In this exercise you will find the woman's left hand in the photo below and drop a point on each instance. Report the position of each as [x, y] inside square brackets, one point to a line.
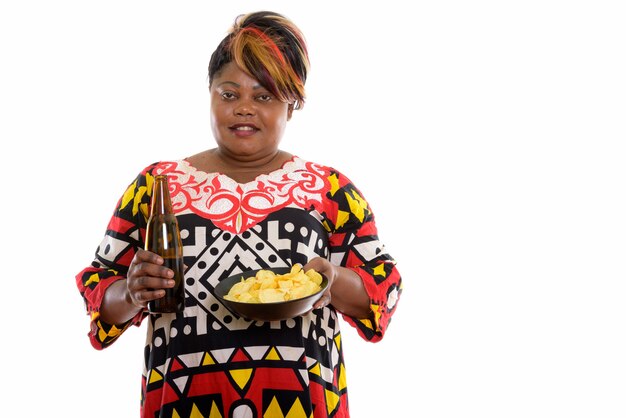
[329, 270]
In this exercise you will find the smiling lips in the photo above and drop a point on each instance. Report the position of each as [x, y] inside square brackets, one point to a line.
[244, 129]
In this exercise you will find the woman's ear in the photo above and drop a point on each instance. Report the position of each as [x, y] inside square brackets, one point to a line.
[289, 111]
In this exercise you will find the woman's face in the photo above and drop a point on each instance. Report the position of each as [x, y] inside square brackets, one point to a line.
[247, 120]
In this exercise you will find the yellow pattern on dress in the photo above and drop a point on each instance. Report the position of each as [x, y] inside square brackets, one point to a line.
[241, 376]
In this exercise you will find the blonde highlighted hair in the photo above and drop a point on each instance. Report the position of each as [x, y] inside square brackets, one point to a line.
[269, 48]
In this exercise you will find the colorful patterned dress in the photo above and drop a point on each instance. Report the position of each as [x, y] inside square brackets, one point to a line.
[208, 362]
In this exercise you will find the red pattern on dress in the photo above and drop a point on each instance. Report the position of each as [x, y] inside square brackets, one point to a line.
[237, 207]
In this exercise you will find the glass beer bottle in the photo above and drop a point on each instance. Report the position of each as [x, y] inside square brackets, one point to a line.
[163, 238]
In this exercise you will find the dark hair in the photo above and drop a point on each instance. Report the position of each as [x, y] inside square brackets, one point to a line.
[270, 48]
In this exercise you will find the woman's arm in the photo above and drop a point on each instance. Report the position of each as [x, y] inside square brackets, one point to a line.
[368, 274]
[146, 280]
[102, 284]
[346, 291]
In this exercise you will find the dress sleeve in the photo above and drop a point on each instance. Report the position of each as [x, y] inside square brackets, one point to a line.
[124, 235]
[355, 244]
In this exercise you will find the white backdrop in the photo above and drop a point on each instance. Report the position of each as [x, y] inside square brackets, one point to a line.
[486, 136]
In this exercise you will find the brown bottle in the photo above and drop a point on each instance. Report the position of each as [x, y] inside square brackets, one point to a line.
[163, 238]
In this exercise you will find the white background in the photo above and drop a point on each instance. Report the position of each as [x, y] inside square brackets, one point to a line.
[486, 135]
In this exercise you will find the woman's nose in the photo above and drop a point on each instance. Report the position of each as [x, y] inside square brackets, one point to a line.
[245, 108]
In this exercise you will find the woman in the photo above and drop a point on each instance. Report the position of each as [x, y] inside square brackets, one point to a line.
[245, 205]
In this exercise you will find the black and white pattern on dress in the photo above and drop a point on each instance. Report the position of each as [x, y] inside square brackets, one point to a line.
[217, 254]
[211, 254]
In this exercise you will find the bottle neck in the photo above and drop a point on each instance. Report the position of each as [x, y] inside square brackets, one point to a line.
[161, 203]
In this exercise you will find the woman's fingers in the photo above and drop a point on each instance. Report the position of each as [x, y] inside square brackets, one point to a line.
[147, 278]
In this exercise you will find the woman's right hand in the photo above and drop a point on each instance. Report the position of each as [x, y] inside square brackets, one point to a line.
[147, 278]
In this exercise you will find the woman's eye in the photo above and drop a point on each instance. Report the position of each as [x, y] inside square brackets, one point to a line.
[264, 97]
[228, 95]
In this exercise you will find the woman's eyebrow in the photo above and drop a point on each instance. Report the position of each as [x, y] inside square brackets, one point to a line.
[255, 87]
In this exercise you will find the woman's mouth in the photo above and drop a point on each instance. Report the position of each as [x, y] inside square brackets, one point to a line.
[244, 129]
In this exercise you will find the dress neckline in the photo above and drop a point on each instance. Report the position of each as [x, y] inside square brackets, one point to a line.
[284, 167]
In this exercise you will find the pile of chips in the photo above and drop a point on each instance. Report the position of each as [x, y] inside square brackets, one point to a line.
[267, 286]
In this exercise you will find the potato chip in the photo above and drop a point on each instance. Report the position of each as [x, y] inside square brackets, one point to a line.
[267, 286]
[271, 295]
[314, 276]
